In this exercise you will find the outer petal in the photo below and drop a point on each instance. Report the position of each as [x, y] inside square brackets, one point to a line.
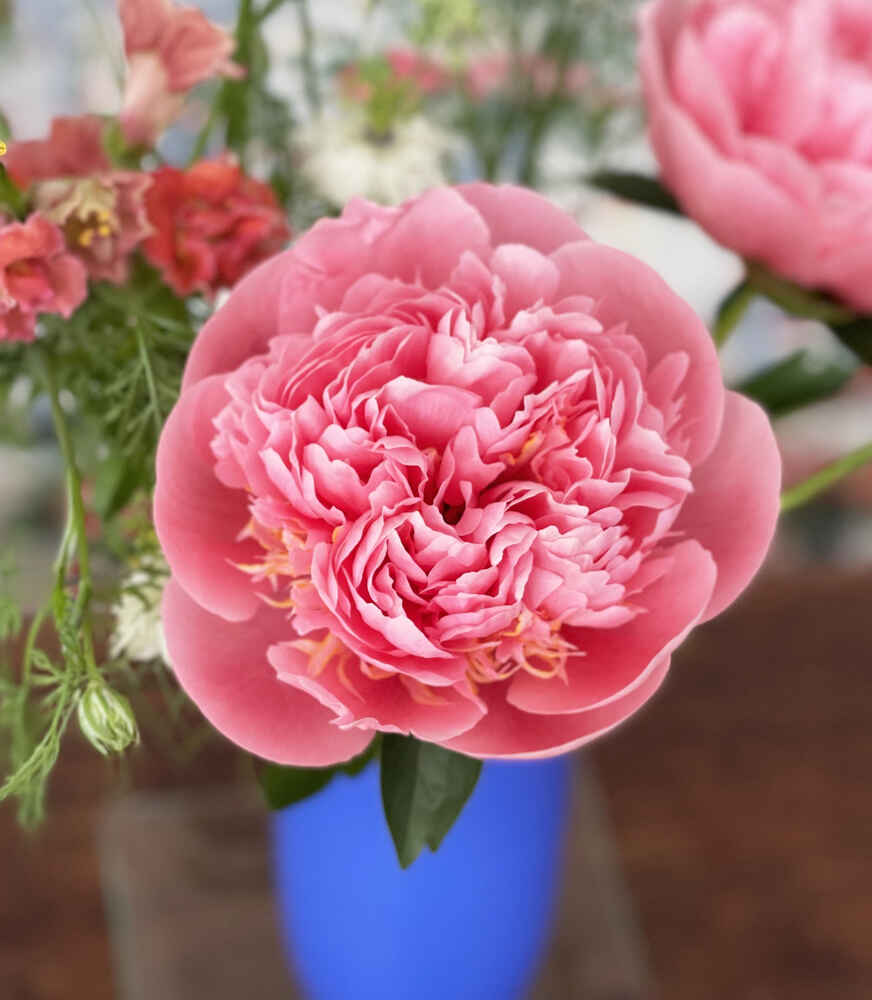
[734, 507]
[198, 518]
[244, 325]
[223, 667]
[508, 732]
[517, 215]
[391, 704]
[628, 291]
[615, 661]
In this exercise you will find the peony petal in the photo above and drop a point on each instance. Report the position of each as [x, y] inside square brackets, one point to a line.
[429, 237]
[614, 661]
[734, 507]
[197, 518]
[223, 667]
[507, 732]
[629, 292]
[391, 703]
[517, 215]
[530, 277]
[244, 325]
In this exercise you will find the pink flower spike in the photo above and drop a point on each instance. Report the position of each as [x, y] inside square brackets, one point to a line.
[170, 49]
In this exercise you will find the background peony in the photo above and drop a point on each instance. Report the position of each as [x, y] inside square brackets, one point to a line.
[37, 275]
[450, 469]
[761, 117]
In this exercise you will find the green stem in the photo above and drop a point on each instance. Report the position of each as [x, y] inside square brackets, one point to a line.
[205, 132]
[270, 8]
[30, 642]
[75, 540]
[150, 380]
[310, 75]
[822, 480]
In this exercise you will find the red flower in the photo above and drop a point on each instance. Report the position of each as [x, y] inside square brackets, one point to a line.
[211, 225]
[37, 275]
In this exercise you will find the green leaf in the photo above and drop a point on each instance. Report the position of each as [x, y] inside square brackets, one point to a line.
[424, 788]
[853, 330]
[731, 310]
[856, 336]
[284, 786]
[795, 382]
[116, 481]
[638, 188]
[11, 196]
[795, 299]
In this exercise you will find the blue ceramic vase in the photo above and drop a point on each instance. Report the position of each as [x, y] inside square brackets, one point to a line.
[470, 922]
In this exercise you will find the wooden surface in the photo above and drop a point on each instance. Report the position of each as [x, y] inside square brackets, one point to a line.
[740, 799]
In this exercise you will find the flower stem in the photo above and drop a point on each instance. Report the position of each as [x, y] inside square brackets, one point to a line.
[74, 543]
[310, 75]
[822, 480]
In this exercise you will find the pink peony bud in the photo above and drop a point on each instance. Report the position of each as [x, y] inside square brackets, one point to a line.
[760, 114]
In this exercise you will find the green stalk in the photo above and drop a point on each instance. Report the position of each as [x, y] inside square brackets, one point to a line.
[822, 480]
[75, 540]
[310, 75]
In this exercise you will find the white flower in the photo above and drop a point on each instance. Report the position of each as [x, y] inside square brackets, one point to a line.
[138, 632]
[343, 160]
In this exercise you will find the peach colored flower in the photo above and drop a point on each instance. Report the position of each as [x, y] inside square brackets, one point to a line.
[211, 224]
[100, 211]
[37, 275]
[450, 469]
[74, 148]
[761, 117]
[170, 49]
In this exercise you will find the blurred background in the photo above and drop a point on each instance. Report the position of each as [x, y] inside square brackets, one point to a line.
[731, 817]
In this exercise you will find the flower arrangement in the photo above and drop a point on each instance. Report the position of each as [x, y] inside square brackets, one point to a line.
[443, 480]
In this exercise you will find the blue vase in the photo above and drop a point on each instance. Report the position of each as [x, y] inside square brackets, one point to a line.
[470, 922]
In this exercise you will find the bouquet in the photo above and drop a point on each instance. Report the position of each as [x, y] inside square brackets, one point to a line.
[370, 454]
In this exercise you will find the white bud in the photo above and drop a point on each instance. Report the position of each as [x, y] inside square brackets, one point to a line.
[106, 719]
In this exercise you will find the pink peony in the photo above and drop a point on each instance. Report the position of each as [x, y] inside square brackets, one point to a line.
[100, 211]
[37, 275]
[761, 117]
[451, 469]
[170, 49]
[211, 224]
